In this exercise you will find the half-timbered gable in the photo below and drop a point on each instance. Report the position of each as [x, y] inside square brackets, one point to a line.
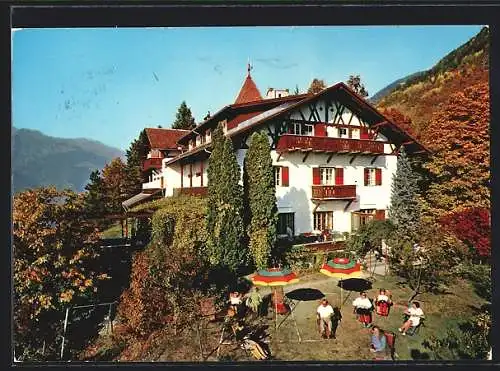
[333, 153]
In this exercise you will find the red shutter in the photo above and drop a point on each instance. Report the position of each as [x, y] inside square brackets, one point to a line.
[320, 130]
[316, 177]
[366, 176]
[378, 176]
[339, 176]
[284, 175]
[380, 215]
[363, 134]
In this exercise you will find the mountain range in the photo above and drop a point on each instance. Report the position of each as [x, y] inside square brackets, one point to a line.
[41, 160]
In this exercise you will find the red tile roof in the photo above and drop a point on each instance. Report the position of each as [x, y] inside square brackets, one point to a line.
[164, 138]
[248, 92]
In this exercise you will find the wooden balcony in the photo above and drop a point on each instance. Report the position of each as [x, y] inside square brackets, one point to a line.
[289, 143]
[191, 191]
[334, 192]
[152, 163]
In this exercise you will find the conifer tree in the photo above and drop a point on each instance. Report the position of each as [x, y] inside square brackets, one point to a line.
[404, 211]
[136, 154]
[225, 206]
[184, 118]
[261, 189]
[94, 198]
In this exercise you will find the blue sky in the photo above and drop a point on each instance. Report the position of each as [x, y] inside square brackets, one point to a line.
[108, 84]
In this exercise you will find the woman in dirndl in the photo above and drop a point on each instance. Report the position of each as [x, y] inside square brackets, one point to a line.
[383, 303]
[363, 308]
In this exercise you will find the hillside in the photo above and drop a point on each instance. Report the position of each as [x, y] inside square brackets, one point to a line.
[423, 94]
[40, 160]
[375, 98]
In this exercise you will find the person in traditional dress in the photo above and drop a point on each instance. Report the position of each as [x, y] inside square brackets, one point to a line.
[363, 308]
[383, 303]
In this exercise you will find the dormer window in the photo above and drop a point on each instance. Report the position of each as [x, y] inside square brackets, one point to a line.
[198, 140]
[208, 135]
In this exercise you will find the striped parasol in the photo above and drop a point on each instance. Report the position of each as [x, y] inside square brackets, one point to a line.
[277, 278]
[274, 277]
[341, 268]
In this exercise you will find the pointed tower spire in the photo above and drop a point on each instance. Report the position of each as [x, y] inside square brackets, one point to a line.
[249, 91]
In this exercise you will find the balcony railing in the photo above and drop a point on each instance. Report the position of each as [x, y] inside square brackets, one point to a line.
[152, 163]
[333, 192]
[192, 191]
[289, 142]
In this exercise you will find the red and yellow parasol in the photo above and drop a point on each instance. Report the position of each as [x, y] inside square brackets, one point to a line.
[341, 268]
[276, 278]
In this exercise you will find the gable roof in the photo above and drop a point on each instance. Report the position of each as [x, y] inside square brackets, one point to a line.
[236, 113]
[248, 92]
[160, 138]
[356, 104]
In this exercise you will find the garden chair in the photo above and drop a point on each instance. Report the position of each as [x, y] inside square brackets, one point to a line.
[416, 329]
[390, 338]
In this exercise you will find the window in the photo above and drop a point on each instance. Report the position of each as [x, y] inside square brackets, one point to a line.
[298, 128]
[307, 130]
[362, 217]
[285, 222]
[373, 177]
[281, 176]
[342, 132]
[323, 220]
[326, 176]
[277, 175]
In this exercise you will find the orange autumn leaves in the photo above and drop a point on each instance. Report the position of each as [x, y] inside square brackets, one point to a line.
[54, 248]
[459, 169]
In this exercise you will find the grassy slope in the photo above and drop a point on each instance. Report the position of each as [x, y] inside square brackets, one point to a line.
[421, 96]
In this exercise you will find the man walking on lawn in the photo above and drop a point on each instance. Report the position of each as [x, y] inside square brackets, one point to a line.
[324, 315]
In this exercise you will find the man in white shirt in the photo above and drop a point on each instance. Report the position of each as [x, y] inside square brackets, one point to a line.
[415, 313]
[324, 314]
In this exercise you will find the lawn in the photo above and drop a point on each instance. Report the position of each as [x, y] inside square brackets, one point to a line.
[300, 341]
[297, 338]
[115, 231]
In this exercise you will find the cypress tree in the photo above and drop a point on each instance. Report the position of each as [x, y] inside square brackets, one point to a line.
[261, 191]
[225, 206]
[404, 211]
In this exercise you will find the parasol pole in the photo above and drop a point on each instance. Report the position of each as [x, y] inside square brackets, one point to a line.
[276, 310]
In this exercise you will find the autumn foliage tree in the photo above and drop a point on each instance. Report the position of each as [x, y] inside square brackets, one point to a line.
[473, 227]
[113, 179]
[403, 121]
[54, 266]
[316, 86]
[354, 82]
[459, 170]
